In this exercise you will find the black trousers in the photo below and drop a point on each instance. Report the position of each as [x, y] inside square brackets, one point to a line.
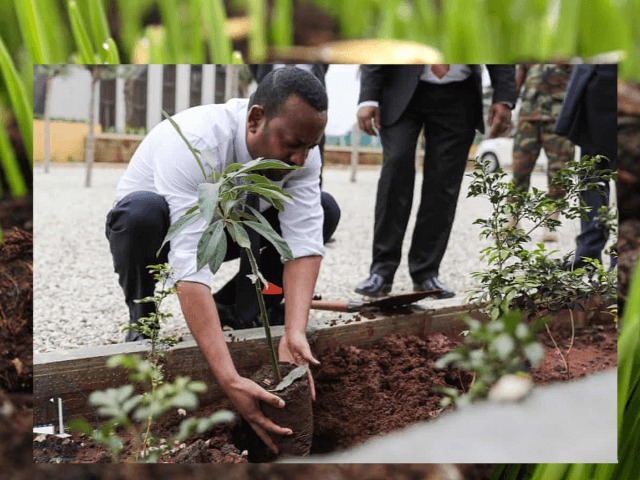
[447, 114]
[598, 111]
[136, 228]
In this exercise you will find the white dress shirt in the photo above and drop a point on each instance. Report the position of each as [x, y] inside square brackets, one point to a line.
[163, 164]
[457, 73]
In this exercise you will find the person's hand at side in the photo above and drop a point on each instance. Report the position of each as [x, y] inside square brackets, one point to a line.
[202, 318]
[294, 348]
[499, 120]
[369, 119]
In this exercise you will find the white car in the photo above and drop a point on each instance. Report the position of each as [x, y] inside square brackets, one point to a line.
[498, 153]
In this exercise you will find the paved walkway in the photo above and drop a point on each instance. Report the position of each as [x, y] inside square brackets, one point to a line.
[77, 300]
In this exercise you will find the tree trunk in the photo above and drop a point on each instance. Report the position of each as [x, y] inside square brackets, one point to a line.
[232, 81]
[128, 101]
[47, 124]
[90, 142]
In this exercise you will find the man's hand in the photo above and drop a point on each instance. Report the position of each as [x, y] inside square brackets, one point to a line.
[294, 348]
[202, 317]
[246, 395]
[499, 119]
[369, 119]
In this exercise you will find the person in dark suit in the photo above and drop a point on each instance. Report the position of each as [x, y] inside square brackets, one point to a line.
[399, 100]
[589, 119]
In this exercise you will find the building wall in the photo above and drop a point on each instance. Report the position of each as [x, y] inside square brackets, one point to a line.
[70, 95]
[67, 140]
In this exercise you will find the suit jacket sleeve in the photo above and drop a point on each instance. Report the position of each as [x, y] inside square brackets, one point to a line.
[371, 82]
[503, 81]
[576, 85]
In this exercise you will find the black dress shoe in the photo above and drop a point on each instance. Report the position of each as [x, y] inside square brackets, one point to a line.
[434, 284]
[134, 335]
[374, 286]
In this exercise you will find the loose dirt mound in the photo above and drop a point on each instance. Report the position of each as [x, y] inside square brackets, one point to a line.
[16, 352]
[16, 311]
[366, 392]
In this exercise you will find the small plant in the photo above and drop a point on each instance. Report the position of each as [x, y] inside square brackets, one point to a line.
[149, 327]
[534, 280]
[223, 204]
[136, 413]
[521, 284]
[491, 350]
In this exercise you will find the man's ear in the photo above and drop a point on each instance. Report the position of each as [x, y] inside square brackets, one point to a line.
[255, 118]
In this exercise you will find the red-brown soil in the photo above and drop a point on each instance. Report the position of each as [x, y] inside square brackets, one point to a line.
[364, 392]
[16, 337]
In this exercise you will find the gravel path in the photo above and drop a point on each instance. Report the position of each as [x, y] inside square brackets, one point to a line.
[77, 299]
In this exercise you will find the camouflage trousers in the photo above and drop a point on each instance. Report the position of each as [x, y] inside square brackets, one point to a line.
[530, 138]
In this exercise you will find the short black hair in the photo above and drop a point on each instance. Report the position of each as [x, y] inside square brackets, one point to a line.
[278, 85]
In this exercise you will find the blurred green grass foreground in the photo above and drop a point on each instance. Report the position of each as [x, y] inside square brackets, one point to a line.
[217, 31]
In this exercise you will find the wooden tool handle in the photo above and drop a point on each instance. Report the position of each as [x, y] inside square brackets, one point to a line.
[336, 305]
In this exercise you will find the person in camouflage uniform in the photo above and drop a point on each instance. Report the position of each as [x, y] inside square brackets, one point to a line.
[543, 90]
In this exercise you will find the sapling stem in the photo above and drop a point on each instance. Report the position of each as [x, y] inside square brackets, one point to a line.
[263, 315]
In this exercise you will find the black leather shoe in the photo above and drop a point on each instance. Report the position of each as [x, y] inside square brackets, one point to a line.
[134, 335]
[374, 286]
[433, 284]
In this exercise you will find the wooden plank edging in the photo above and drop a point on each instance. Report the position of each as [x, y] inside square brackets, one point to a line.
[73, 375]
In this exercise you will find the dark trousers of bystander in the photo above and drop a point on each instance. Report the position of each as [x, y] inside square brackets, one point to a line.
[447, 114]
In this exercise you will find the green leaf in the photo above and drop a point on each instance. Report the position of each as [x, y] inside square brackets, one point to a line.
[270, 234]
[20, 101]
[214, 16]
[185, 399]
[32, 28]
[109, 52]
[10, 167]
[83, 42]
[99, 26]
[262, 164]
[179, 224]
[81, 425]
[110, 402]
[522, 332]
[171, 21]
[534, 352]
[229, 205]
[267, 192]
[220, 417]
[131, 403]
[503, 345]
[239, 234]
[208, 200]
[192, 425]
[197, 386]
[291, 377]
[212, 247]
[130, 362]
